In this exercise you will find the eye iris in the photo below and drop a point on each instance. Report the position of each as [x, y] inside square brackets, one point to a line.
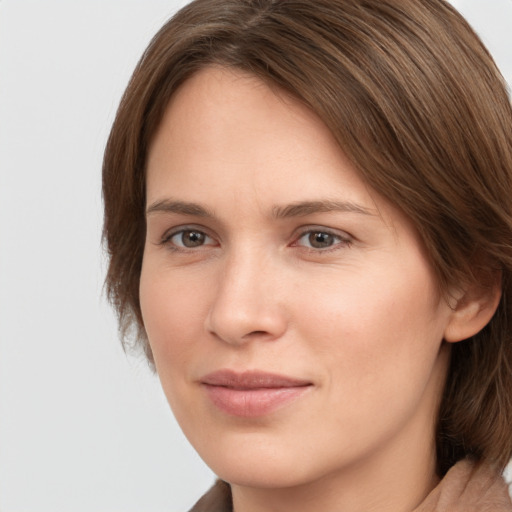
[192, 238]
[320, 240]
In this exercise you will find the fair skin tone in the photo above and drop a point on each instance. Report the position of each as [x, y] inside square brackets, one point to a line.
[266, 251]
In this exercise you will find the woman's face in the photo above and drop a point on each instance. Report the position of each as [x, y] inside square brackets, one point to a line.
[292, 312]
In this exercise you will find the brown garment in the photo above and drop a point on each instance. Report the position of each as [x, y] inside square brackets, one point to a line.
[466, 487]
[217, 499]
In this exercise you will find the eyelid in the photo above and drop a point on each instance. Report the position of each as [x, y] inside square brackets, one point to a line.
[345, 238]
[170, 233]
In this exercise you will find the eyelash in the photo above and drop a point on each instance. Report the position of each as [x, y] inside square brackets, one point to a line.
[340, 240]
[167, 238]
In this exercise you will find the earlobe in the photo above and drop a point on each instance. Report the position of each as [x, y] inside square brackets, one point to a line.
[472, 310]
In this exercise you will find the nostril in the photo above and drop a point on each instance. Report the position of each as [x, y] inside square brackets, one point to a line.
[250, 321]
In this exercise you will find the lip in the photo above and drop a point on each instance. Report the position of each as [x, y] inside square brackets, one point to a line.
[252, 393]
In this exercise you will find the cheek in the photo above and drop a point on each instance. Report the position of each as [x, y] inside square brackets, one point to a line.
[378, 329]
[172, 314]
[172, 311]
[378, 346]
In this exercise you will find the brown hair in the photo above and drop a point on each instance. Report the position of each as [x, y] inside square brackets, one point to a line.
[416, 103]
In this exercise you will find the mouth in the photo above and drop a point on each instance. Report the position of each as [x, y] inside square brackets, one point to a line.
[252, 393]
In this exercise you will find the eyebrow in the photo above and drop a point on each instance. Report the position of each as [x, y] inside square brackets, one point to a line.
[304, 208]
[180, 207]
[298, 209]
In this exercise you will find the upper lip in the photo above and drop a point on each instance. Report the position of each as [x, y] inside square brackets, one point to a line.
[253, 379]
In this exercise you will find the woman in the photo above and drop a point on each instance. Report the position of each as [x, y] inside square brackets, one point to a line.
[309, 223]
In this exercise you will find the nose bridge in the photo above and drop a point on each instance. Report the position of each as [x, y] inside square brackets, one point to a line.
[244, 306]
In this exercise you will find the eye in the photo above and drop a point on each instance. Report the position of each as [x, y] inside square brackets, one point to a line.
[188, 239]
[319, 239]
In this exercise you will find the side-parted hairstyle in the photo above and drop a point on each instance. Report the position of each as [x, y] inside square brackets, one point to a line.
[416, 103]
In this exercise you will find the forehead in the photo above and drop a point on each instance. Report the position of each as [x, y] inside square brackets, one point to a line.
[220, 110]
[232, 131]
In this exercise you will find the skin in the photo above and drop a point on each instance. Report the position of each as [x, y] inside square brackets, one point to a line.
[359, 316]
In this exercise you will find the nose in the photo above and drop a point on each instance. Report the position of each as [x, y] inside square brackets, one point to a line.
[246, 304]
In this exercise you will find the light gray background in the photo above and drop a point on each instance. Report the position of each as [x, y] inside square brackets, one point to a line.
[83, 428]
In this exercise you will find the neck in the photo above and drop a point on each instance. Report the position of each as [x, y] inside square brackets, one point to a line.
[369, 486]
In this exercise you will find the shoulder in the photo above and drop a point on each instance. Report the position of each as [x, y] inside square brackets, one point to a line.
[217, 499]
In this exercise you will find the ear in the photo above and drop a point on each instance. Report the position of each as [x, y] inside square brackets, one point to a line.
[472, 309]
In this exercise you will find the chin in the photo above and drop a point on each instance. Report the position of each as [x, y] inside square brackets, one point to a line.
[262, 474]
[255, 460]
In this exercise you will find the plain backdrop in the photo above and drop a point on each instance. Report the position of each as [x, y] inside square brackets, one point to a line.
[83, 427]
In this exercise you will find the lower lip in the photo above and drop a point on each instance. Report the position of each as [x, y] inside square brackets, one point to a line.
[251, 403]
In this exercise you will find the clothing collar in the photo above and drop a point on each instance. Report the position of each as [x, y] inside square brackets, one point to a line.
[467, 486]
